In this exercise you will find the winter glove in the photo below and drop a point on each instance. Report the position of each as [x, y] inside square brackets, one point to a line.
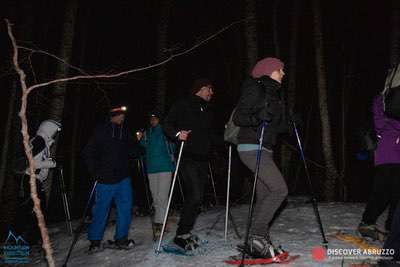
[265, 114]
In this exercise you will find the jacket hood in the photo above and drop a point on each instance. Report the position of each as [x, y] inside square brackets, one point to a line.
[48, 130]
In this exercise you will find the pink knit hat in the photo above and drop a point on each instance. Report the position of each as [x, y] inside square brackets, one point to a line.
[266, 66]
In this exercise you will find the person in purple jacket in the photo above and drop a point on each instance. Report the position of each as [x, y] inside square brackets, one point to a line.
[386, 187]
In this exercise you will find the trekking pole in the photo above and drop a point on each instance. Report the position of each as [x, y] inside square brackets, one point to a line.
[213, 183]
[228, 192]
[313, 198]
[228, 214]
[174, 164]
[250, 216]
[65, 202]
[147, 189]
[81, 226]
[170, 196]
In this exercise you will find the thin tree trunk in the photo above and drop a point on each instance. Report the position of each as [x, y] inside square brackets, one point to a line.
[286, 153]
[7, 131]
[275, 29]
[76, 114]
[251, 35]
[162, 54]
[342, 182]
[331, 169]
[56, 108]
[74, 145]
[395, 34]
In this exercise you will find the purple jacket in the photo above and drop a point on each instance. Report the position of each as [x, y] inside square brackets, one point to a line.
[388, 132]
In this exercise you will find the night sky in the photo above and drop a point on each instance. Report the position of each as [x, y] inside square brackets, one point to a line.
[120, 35]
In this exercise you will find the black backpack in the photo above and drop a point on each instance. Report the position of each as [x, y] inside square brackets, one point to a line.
[392, 94]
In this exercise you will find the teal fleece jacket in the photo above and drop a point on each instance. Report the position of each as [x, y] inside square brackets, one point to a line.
[157, 156]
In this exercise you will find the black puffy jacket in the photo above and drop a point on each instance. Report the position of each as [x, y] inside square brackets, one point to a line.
[108, 152]
[257, 95]
[191, 113]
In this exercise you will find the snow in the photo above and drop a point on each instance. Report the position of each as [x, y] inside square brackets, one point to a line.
[295, 229]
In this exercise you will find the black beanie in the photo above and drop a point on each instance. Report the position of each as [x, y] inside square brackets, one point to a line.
[155, 114]
[198, 84]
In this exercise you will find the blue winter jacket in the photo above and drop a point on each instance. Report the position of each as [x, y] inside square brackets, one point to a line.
[158, 156]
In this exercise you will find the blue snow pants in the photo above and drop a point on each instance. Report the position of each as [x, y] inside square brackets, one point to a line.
[121, 193]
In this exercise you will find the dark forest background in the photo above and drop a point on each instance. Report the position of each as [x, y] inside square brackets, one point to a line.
[339, 48]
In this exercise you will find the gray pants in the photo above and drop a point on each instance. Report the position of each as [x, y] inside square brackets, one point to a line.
[159, 185]
[271, 189]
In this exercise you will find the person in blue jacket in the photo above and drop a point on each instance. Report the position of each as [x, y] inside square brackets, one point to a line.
[107, 156]
[159, 163]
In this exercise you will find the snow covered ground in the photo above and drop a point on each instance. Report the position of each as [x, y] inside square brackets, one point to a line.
[295, 229]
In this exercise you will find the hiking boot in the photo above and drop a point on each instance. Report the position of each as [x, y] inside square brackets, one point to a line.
[261, 247]
[188, 242]
[124, 243]
[95, 246]
[369, 231]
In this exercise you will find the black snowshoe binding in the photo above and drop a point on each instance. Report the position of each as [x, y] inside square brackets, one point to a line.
[121, 244]
[260, 247]
[188, 242]
[95, 246]
[370, 231]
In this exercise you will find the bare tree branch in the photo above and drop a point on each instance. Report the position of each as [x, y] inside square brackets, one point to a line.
[22, 114]
[53, 56]
[123, 73]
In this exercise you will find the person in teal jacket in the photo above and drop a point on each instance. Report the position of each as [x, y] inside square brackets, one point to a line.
[159, 165]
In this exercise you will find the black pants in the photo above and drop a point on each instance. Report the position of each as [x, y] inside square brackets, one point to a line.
[393, 240]
[386, 191]
[194, 174]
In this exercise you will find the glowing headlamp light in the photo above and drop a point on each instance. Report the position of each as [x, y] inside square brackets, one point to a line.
[119, 109]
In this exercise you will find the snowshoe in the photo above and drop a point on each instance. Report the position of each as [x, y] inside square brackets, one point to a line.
[370, 231]
[187, 241]
[283, 258]
[186, 244]
[95, 247]
[357, 241]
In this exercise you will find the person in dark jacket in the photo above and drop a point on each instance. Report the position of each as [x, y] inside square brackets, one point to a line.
[261, 101]
[386, 187]
[107, 155]
[189, 120]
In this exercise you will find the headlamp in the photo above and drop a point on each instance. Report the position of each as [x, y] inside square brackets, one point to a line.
[119, 109]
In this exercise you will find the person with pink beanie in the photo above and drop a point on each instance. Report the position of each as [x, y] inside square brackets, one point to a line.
[260, 102]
